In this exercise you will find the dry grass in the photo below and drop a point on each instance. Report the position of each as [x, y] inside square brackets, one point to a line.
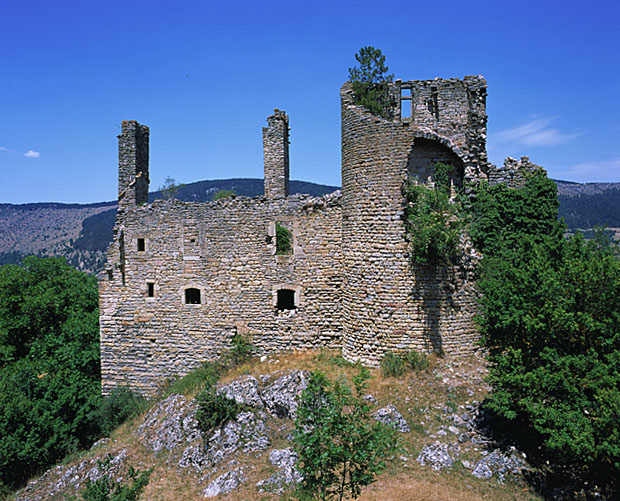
[420, 397]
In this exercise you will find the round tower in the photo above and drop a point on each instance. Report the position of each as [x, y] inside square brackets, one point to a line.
[387, 304]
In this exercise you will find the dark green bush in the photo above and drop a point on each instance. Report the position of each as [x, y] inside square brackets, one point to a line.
[417, 361]
[214, 409]
[121, 405]
[284, 240]
[392, 365]
[550, 320]
[241, 350]
[432, 221]
[49, 365]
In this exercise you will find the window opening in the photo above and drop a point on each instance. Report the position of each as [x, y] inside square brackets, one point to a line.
[433, 103]
[150, 289]
[284, 240]
[192, 296]
[406, 103]
[286, 299]
[141, 246]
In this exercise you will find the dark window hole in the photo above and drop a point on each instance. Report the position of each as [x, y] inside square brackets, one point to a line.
[192, 296]
[141, 246]
[286, 299]
[150, 289]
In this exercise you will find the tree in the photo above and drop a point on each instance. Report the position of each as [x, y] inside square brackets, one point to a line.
[170, 188]
[370, 81]
[49, 366]
[551, 322]
[341, 447]
[224, 194]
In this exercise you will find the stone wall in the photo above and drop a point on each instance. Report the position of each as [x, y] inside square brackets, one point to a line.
[226, 250]
[275, 152]
[133, 165]
[513, 173]
[386, 304]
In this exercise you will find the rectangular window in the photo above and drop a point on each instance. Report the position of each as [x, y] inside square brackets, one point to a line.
[406, 104]
[150, 289]
[141, 245]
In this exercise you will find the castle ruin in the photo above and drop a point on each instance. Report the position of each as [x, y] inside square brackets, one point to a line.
[183, 278]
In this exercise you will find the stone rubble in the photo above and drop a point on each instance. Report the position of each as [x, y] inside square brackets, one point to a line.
[286, 476]
[391, 417]
[225, 483]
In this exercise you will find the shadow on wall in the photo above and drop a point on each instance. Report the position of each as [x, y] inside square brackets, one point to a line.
[433, 290]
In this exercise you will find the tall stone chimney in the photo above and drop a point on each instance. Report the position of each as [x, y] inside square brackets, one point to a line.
[275, 152]
[133, 165]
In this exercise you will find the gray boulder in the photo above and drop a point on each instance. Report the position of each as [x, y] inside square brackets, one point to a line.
[286, 476]
[243, 391]
[436, 456]
[169, 424]
[225, 483]
[281, 397]
[501, 464]
[390, 416]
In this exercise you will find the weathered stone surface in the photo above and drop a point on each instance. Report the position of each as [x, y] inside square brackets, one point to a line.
[169, 424]
[500, 463]
[281, 396]
[248, 432]
[390, 416]
[243, 391]
[436, 456]
[286, 476]
[60, 479]
[225, 483]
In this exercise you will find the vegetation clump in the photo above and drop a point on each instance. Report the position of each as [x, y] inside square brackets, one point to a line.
[284, 240]
[214, 408]
[106, 489]
[370, 82]
[432, 222]
[221, 194]
[394, 365]
[341, 447]
[550, 320]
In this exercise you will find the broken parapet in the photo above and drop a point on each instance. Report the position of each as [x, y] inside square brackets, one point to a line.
[514, 172]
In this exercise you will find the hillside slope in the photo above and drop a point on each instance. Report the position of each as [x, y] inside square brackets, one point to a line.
[444, 454]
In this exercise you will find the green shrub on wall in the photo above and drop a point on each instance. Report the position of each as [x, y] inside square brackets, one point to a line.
[284, 240]
[432, 221]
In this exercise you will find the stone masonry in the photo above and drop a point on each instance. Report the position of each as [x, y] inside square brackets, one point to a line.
[183, 278]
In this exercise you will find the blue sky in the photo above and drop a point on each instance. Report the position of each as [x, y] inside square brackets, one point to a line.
[205, 75]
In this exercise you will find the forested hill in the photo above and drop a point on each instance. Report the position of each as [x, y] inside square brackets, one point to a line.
[82, 233]
[585, 206]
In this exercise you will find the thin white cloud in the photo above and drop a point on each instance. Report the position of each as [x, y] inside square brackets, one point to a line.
[32, 154]
[536, 132]
[602, 171]
[4, 148]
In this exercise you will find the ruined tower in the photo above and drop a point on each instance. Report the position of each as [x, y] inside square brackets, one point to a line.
[275, 152]
[133, 165]
[386, 304]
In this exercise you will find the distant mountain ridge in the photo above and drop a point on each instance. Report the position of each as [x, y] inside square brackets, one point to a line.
[81, 232]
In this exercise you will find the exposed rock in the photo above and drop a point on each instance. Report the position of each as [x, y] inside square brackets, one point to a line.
[225, 483]
[243, 391]
[169, 424]
[436, 456]
[287, 475]
[247, 431]
[60, 478]
[500, 463]
[390, 416]
[281, 396]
